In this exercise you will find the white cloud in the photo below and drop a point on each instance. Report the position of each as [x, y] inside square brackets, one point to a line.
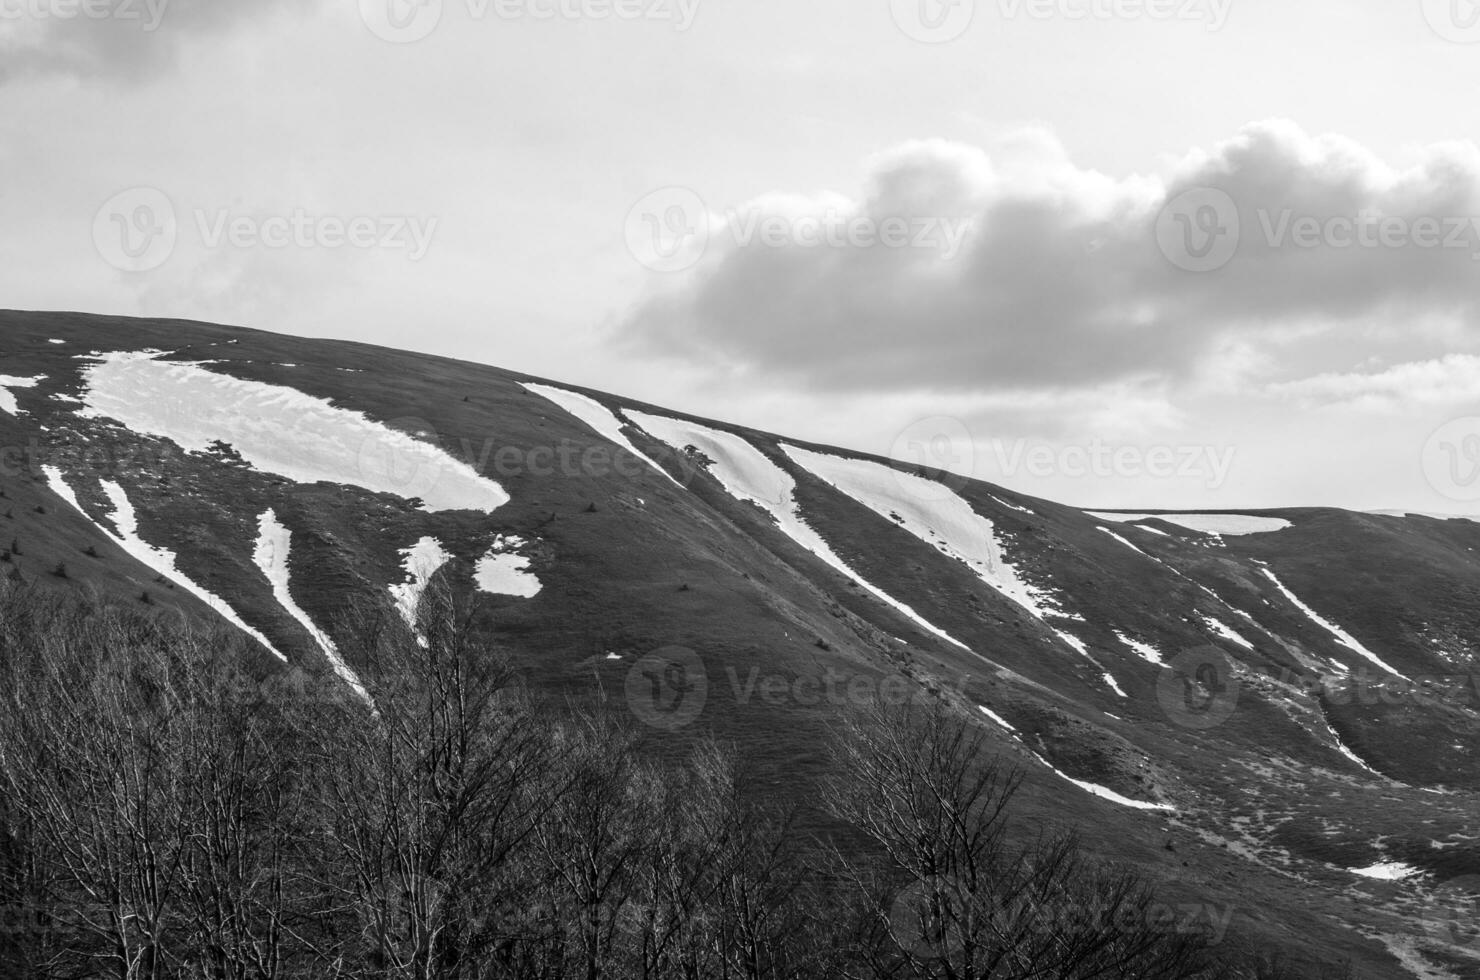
[1449, 380]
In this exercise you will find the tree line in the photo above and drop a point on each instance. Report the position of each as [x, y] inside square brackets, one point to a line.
[164, 813]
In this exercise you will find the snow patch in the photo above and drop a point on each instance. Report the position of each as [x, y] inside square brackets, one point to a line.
[280, 430]
[1081, 648]
[1387, 871]
[1345, 750]
[1076, 643]
[995, 717]
[58, 485]
[1147, 652]
[746, 474]
[503, 572]
[160, 560]
[272, 554]
[946, 521]
[1341, 635]
[1129, 545]
[1228, 634]
[1108, 795]
[598, 417]
[420, 561]
[934, 514]
[1215, 524]
[1093, 789]
[1020, 510]
[7, 395]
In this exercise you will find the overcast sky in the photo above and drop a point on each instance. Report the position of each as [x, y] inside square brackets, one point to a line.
[1121, 253]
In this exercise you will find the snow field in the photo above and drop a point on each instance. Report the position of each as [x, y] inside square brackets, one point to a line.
[280, 430]
[1215, 524]
[931, 512]
[7, 396]
[746, 474]
[272, 556]
[598, 417]
[1093, 789]
[160, 560]
[420, 562]
[504, 572]
[1341, 635]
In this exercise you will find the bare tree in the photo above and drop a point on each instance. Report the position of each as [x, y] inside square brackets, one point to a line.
[431, 797]
[172, 808]
[951, 895]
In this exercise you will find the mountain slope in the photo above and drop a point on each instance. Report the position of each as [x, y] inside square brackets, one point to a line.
[1280, 725]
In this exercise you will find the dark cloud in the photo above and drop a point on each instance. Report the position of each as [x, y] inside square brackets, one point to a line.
[127, 40]
[1070, 278]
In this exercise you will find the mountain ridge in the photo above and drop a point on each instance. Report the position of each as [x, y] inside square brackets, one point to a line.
[1076, 639]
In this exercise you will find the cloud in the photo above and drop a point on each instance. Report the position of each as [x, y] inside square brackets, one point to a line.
[1449, 380]
[1068, 277]
[130, 40]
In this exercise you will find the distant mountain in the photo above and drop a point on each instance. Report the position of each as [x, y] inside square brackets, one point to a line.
[1275, 714]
